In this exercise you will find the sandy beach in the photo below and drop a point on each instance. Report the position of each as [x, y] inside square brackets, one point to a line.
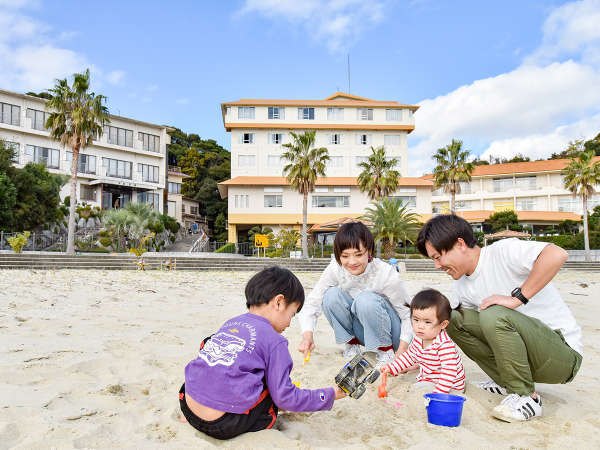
[94, 359]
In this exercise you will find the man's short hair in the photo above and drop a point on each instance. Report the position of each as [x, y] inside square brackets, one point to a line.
[443, 231]
[352, 235]
[271, 282]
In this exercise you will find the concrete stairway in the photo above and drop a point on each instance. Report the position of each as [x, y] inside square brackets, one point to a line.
[187, 262]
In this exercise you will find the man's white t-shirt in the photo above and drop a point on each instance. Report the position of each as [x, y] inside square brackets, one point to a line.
[506, 265]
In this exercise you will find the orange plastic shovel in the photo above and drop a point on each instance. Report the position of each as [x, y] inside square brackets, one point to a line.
[381, 392]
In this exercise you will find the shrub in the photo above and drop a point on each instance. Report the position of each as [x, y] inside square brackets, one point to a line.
[227, 248]
[106, 241]
[19, 241]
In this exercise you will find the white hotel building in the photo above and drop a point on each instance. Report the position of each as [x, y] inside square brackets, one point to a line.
[346, 125]
[127, 164]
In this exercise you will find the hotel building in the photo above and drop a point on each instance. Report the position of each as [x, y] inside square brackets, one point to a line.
[347, 125]
[127, 164]
[534, 190]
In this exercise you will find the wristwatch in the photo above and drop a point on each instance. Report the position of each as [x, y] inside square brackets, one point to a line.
[516, 293]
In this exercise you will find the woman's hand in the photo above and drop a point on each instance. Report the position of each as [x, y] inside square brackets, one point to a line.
[338, 393]
[307, 343]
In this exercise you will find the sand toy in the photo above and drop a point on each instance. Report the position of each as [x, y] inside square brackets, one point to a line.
[355, 375]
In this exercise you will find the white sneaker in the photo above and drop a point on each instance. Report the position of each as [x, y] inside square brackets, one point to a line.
[516, 408]
[492, 387]
[351, 350]
[384, 358]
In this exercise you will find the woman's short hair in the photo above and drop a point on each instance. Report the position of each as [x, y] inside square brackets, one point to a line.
[352, 235]
[273, 281]
[443, 231]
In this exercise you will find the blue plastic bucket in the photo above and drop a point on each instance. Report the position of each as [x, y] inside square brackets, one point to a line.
[444, 409]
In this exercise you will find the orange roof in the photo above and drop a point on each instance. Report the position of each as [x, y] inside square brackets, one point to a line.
[540, 216]
[337, 99]
[323, 181]
[319, 126]
[507, 234]
[551, 165]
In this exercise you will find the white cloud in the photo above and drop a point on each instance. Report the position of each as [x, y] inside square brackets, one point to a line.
[535, 109]
[115, 77]
[336, 23]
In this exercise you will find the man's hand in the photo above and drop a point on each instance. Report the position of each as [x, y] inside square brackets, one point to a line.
[307, 343]
[502, 300]
[338, 393]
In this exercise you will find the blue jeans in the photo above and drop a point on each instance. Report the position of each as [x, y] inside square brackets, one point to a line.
[368, 317]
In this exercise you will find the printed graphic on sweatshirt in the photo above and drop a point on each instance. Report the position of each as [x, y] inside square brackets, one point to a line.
[222, 348]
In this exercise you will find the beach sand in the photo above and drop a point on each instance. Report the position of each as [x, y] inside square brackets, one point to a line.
[95, 359]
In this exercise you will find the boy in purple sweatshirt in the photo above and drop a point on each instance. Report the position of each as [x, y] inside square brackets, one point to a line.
[241, 376]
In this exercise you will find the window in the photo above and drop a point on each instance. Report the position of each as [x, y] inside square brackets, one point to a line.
[361, 159]
[274, 161]
[86, 164]
[15, 147]
[393, 114]
[276, 138]
[148, 197]
[392, 139]
[341, 189]
[525, 204]
[87, 193]
[183, 209]
[276, 112]
[42, 155]
[363, 139]
[364, 113]
[246, 160]
[437, 192]
[117, 168]
[462, 205]
[465, 187]
[526, 183]
[10, 114]
[247, 138]
[171, 207]
[174, 188]
[306, 113]
[242, 201]
[119, 136]
[149, 173]
[38, 119]
[409, 201]
[150, 143]
[321, 189]
[335, 113]
[502, 184]
[273, 201]
[335, 139]
[330, 201]
[245, 112]
[335, 161]
[194, 210]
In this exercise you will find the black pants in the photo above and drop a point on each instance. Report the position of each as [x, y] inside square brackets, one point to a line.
[261, 416]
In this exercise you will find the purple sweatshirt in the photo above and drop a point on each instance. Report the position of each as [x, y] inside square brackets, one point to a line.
[232, 369]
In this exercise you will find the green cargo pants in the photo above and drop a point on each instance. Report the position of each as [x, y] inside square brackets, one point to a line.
[513, 349]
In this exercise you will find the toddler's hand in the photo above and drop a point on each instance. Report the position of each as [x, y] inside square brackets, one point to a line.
[338, 393]
[384, 370]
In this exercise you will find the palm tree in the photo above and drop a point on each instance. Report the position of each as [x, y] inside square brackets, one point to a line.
[580, 177]
[392, 222]
[78, 116]
[451, 168]
[378, 178]
[306, 164]
[119, 219]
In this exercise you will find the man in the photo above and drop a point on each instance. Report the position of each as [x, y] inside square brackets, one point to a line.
[514, 324]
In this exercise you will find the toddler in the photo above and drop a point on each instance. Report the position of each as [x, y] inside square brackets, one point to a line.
[440, 365]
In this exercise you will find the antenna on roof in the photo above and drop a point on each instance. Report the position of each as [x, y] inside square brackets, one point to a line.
[348, 73]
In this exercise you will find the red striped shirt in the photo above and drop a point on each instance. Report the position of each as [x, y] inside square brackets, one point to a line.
[440, 363]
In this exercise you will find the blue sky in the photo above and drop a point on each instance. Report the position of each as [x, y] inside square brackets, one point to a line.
[505, 77]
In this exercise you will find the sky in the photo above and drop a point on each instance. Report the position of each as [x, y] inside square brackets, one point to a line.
[504, 77]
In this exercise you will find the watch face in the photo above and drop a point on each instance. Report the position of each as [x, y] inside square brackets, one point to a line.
[515, 292]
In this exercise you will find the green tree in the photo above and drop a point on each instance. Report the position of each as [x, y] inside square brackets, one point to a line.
[503, 220]
[220, 230]
[77, 117]
[286, 239]
[118, 219]
[8, 199]
[580, 177]
[451, 168]
[378, 177]
[260, 229]
[306, 164]
[392, 222]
